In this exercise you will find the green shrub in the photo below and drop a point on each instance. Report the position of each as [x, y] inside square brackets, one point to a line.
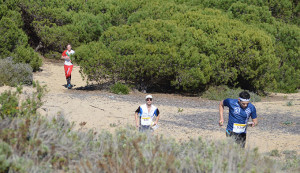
[119, 88]
[222, 92]
[9, 103]
[251, 13]
[14, 43]
[192, 45]
[53, 55]
[12, 106]
[207, 48]
[11, 36]
[12, 74]
[16, 17]
[25, 54]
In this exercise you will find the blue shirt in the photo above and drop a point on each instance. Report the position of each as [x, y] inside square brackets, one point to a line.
[237, 114]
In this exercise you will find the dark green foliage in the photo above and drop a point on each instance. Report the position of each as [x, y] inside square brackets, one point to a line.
[287, 50]
[286, 10]
[11, 36]
[204, 49]
[192, 45]
[9, 104]
[13, 42]
[98, 67]
[251, 13]
[12, 73]
[25, 54]
[119, 88]
[223, 92]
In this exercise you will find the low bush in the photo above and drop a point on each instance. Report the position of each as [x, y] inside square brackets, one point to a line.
[12, 73]
[25, 54]
[53, 55]
[119, 88]
[53, 146]
[11, 105]
[223, 92]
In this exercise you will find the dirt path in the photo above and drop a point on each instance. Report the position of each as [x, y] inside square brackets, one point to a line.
[279, 115]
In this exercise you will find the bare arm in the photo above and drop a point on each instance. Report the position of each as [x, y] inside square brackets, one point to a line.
[157, 118]
[255, 122]
[221, 111]
[137, 119]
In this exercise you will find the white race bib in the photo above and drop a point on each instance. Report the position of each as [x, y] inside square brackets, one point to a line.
[239, 128]
[146, 121]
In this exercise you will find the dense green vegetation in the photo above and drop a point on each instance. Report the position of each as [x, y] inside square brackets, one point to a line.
[119, 88]
[183, 45]
[222, 92]
[33, 143]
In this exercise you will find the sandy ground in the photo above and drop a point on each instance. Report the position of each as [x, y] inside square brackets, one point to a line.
[103, 110]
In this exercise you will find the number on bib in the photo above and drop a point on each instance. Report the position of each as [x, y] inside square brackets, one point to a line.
[239, 128]
[146, 121]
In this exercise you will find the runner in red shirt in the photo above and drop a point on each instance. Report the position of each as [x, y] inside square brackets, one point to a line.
[68, 64]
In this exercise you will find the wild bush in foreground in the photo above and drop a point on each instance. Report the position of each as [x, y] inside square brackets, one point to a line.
[11, 106]
[12, 73]
[53, 145]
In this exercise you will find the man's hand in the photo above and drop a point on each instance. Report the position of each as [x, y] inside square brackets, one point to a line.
[254, 121]
[221, 110]
[221, 122]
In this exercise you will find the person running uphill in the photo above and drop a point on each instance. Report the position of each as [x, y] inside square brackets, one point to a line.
[239, 112]
[145, 114]
[68, 64]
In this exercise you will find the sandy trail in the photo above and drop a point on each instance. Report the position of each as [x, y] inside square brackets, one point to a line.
[103, 110]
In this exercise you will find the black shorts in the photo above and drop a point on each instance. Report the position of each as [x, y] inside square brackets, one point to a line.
[145, 128]
[240, 138]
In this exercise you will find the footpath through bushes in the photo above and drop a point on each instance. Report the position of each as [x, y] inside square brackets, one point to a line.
[33, 143]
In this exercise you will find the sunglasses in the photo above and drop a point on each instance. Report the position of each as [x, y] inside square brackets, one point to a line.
[149, 99]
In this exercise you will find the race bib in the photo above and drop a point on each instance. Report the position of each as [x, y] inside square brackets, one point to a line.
[239, 128]
[146, 121]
